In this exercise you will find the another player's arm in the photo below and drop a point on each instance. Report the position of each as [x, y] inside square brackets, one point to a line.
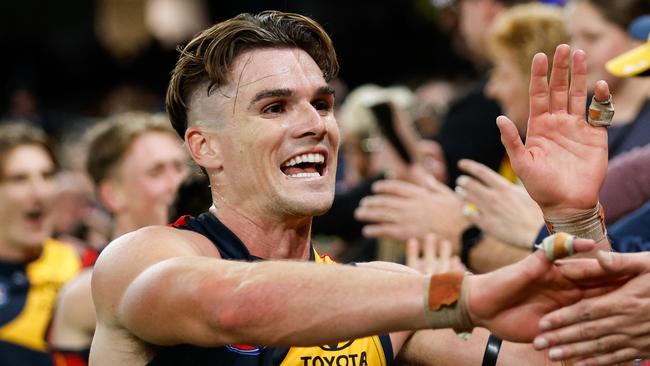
[443, 347]
[73, 322]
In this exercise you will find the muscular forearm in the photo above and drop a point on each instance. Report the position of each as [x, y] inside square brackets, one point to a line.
[275, 303]
[491, 254]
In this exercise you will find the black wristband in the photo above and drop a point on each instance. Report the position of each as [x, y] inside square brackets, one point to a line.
[471, 236]
[491, 351]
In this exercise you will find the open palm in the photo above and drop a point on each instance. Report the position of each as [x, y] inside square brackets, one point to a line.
[564, 160]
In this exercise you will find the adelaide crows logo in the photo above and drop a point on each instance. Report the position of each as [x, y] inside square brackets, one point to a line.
[244, 349]
[336, 346]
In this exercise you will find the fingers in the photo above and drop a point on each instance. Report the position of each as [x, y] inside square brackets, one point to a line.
[429, 249]
[390, 231]
[581, 245]
[559, 81]
[585, 310]
[616, 357]
[444, 256]
[538, 91]
[624, 264]
[578, 90]
[482, 172]
[396, 187]
[601, 90]
[412, 253]
[582, 270]
[424, 179]
[597, 346]
[512, 142]
[608, 267]
[379, 208]
[472, 190]
[580, 332]
[430, 255]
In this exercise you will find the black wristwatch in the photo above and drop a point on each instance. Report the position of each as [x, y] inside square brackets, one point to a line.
[471, 236]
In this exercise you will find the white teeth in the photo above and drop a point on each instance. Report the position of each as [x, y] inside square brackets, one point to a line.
[304, 175]
[305, 158]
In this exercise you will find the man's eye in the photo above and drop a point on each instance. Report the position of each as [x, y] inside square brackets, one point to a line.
[322, 105]
[17, 178]
[274, 108]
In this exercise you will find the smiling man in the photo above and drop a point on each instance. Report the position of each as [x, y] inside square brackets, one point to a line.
[238, 285]
[33, 267]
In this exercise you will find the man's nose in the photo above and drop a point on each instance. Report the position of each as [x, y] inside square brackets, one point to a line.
[42, 187]
[312, 122]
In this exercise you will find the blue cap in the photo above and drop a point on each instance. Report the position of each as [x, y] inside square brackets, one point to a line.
[640, 28]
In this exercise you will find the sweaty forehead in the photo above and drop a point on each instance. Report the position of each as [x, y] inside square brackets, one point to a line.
[274, 68]
[254, 71]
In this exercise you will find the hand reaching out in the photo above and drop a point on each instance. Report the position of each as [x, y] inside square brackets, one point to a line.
[564, 160]
[607, 329]
[510, 301]
[401, 210]
[505, 210]
[432, 255]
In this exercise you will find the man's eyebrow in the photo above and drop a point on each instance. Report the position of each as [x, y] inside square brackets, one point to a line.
[271, 93]
[275, 93]
[325, 90]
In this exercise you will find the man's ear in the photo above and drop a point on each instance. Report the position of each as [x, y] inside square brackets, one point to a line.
[111, 196]
[204, 148]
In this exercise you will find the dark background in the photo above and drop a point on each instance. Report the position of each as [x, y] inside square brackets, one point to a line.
[50, 49]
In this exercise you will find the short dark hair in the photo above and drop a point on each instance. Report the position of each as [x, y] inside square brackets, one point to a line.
[208, 57]
[16, 134]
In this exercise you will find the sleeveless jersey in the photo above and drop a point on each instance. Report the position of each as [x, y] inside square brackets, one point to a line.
[28, 294]
[374, 350]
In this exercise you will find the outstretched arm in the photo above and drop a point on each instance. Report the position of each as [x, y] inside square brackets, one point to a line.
[167, 290]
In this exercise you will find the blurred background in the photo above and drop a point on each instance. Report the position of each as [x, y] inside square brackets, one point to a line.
[66, 61]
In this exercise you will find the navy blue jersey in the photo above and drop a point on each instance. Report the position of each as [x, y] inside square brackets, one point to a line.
[374, 350]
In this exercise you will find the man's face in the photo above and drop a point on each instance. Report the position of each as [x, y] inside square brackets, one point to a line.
[149, 176]
[508, 85]
[279, 139]
[27, 191]
[474, 23]
[599, 38]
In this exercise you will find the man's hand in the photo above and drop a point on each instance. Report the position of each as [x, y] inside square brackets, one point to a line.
[432, 255]
[607, 329]
[505, 210]
[564, 161]
[401, 210]
[511, 301]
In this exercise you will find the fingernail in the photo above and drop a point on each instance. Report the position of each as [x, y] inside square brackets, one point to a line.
[555, 354]
[462, 180]
[540, 343]
[460, 191]
[544, 325]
